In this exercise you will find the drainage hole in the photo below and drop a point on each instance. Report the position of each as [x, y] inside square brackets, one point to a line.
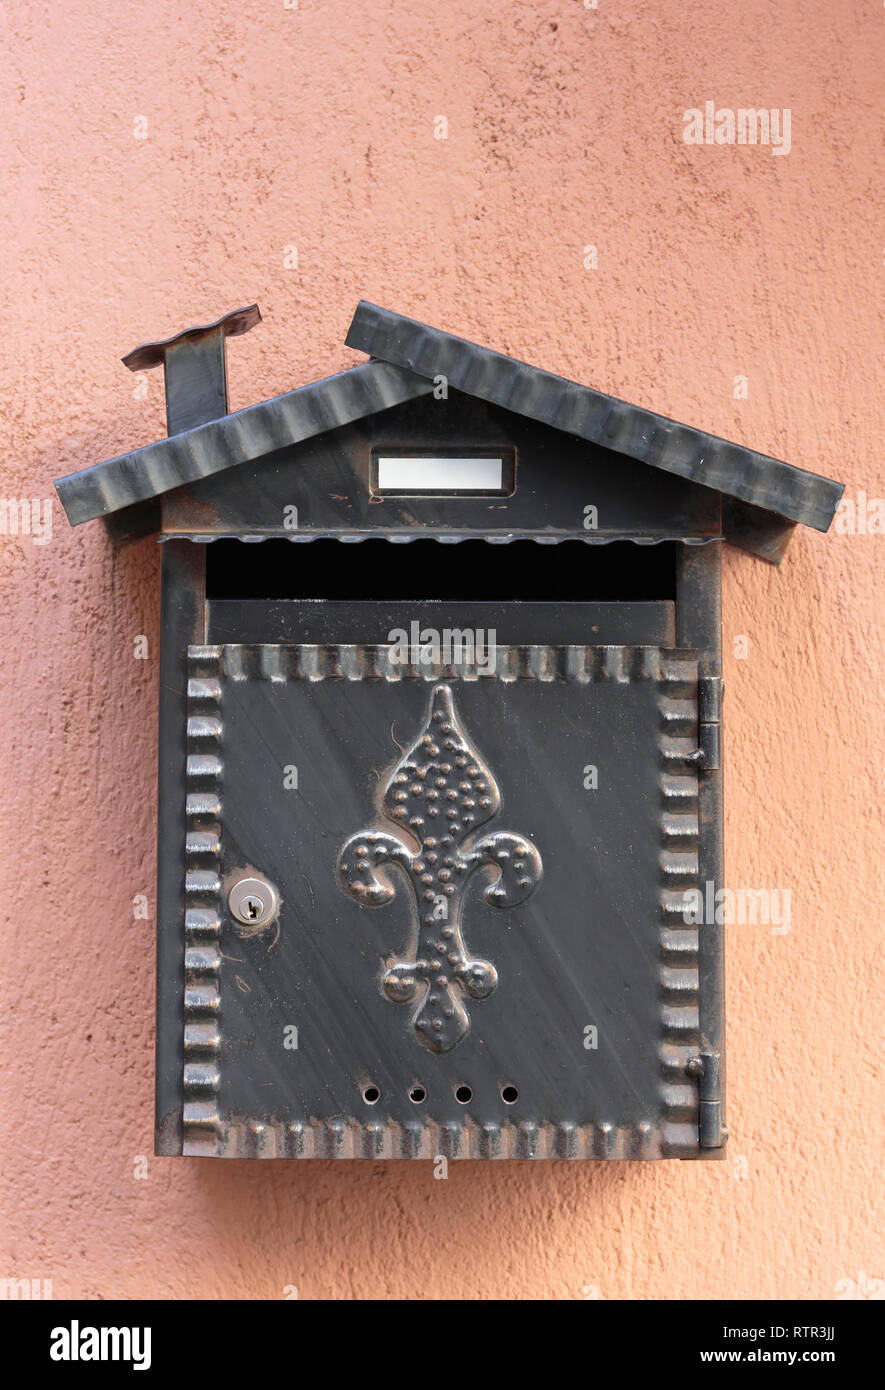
[371, 1094]
[417, 1094]
[509, 1094]
[463, 1094]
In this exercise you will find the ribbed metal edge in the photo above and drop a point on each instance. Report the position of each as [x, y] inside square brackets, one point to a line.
[378, 661]
[202, 919]
[592, 415]
[427, 533]
[207, 1133]
[350, 1138]
[678, 971]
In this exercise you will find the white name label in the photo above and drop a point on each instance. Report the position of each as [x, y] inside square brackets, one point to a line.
[440, 475]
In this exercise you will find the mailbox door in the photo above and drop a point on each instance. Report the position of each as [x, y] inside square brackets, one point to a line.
[480, 948]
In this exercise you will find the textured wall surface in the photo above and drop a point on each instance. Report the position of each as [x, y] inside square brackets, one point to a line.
[160, 163]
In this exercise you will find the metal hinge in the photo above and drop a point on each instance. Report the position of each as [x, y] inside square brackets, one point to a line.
[708, 757]
[712, 1134]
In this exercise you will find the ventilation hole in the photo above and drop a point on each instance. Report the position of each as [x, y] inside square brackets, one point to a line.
[463, 1094]
[371, 1094]
[509, 1094]
[417, 1094]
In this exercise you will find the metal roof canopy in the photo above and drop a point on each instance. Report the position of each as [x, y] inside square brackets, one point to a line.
[764, 498]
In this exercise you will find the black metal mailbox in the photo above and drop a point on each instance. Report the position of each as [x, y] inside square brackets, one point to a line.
[430, 805]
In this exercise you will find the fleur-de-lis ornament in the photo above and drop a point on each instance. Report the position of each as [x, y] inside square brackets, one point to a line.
[442, 791]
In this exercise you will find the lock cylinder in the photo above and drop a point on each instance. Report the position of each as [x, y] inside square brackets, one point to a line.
[253, 903]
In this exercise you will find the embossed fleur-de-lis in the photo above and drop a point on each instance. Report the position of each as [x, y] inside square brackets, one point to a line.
[442, 791]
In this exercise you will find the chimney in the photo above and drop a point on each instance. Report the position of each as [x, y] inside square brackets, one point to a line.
[196, 392]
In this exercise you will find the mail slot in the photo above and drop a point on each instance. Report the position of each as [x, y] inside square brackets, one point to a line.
[440, 753]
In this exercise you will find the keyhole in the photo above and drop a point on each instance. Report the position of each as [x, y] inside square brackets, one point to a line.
[253, 902]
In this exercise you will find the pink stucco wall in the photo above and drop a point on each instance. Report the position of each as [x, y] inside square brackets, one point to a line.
[269, 127]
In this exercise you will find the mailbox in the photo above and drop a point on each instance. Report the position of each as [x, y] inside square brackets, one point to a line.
[440, 753]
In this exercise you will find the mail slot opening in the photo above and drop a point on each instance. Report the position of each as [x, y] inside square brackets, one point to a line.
[423, 570]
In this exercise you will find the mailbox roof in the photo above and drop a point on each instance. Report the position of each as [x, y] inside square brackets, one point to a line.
[767, 495]
[736, 471]
[236, 438]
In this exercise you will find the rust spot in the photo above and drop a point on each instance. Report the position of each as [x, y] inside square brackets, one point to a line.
[189, 513]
